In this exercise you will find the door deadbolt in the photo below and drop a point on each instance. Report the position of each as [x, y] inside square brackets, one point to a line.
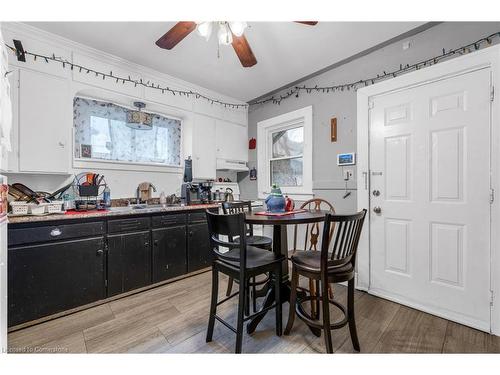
[376, 193]
[377, 209]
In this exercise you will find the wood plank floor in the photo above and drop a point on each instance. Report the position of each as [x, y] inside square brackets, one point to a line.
[173, 319]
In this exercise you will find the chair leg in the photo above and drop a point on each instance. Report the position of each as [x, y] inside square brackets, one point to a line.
[350, 312]
[213, 303]
[247, 297]
[293, 301]
[313, 291]
[229, 287]
[317, 302]
[326, 316]
[277, 294]
[241, 312]
[254, 296]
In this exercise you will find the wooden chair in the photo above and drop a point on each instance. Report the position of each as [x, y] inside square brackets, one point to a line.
[311, 237]
[252, 240]
[333, 265]
[241, 262]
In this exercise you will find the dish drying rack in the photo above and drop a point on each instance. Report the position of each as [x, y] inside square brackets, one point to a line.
[90, 187]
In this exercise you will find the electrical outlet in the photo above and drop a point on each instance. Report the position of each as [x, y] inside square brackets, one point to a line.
[348, 173]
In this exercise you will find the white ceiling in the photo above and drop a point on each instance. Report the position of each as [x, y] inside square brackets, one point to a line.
[285, 51]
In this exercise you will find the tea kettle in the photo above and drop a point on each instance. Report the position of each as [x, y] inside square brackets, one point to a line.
[228, 195]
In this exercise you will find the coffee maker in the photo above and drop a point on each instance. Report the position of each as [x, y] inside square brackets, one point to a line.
[194, 193]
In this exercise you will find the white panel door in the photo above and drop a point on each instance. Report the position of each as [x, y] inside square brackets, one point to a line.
[45, 110]
[430, 182]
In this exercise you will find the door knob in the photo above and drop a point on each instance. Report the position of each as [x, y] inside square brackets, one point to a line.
[377, 209]
[100, 252]
[376, 193]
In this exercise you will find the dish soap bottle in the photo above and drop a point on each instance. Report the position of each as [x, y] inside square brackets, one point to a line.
[163, 199]
[106, 196]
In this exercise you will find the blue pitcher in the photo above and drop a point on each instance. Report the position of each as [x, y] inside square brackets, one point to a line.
[275, 202]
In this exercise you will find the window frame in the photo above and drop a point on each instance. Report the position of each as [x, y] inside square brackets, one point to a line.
[86, 163]
[265, 129]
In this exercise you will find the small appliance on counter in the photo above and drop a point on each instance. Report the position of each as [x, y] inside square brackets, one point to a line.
[191, 192]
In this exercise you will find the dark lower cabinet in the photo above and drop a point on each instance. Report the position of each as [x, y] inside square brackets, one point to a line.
[169, 253]
[199, 252]
[53, 277]
[129, 262]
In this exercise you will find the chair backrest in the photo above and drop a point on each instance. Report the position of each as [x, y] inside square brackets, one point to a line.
[231, 226]
[344, 242]
[238, 207]
[312, 230]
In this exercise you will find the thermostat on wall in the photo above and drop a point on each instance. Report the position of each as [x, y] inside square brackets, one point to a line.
[346, 159]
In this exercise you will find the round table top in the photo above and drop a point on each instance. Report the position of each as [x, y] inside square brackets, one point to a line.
[310, 216]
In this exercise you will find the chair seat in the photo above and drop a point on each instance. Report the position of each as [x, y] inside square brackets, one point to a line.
[311, 261]
[257, 241]
[256, 257]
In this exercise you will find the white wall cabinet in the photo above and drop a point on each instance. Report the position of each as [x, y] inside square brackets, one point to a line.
[232, 141]
[44, 114]
[203, 147]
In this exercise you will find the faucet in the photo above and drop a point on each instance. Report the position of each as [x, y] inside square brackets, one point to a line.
[138, 192]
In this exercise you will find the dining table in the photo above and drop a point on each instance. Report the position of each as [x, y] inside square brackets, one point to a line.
[280, 247]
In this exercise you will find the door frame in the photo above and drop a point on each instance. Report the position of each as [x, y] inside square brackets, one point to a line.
[486, 58]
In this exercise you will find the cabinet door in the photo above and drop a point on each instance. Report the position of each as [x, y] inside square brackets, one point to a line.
[232, 141]
[199, 251]
[44, 123]
[49, 278]
[204, 161]
[129, 262]
[169, 253]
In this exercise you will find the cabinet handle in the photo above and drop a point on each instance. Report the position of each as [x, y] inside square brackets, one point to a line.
[55, 232]
[155, 242]
[100, 252]
[146, 243]
[61, 144]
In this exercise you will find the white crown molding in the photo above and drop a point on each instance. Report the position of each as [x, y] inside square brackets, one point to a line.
[43, 36]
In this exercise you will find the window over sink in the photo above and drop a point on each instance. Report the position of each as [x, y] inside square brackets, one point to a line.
[103, 133]
[284, 154]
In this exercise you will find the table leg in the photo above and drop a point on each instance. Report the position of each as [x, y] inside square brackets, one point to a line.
[280, 246]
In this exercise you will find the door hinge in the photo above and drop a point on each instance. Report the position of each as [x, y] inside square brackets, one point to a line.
[492, 93]
[491, 298]
[370, 104]
[106, 282]
[492, 195]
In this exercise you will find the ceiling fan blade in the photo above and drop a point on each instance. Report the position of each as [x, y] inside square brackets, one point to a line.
[176, 34]
[243, 50]
[309, 23]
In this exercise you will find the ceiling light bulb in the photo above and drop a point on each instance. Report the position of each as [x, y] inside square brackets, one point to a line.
[238, 27]
[224, 34]
[204, 29]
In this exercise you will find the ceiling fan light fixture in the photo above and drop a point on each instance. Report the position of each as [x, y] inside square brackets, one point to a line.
[238, 27]
[224, 34]
[204, 29]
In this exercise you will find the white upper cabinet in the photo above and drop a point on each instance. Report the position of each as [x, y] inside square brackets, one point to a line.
[203, 147]
[44, 123]
[232, 141]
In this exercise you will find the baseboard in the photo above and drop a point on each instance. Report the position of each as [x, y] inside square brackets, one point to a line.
[433, 310]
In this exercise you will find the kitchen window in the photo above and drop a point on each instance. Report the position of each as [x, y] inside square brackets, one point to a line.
[285, 154]
[103, 134]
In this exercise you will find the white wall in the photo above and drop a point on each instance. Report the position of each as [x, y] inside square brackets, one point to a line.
[327, 177]
[123, 180]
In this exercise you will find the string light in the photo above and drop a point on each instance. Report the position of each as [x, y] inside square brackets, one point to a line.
[295, 91]
[128, 79]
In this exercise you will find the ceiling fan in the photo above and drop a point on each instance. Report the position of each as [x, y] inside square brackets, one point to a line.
[227, 33]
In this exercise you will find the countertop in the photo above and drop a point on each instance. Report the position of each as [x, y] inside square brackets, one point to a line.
[113, 211]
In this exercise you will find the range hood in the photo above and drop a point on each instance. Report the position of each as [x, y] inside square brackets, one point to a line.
[231, 165]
